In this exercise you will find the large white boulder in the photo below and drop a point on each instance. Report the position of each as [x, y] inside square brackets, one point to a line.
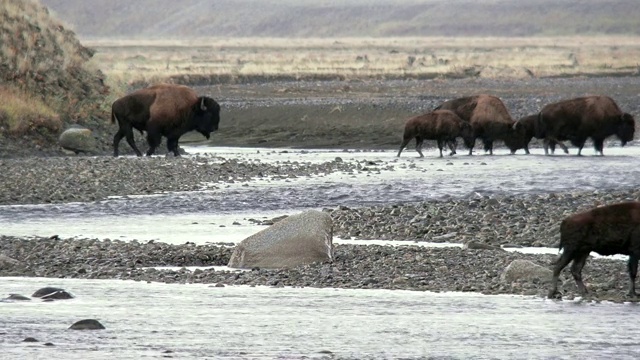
[525, 271]
[296, 240]
[78, 139]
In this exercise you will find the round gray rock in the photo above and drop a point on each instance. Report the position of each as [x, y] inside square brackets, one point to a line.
[295, 240]
[7, 263]
[52, 293]
[87, 324]
[524, 270]
[78, 139]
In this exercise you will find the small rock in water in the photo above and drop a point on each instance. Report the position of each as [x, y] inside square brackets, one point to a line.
[30, 339]
[48, 344]
[87, 324]
[46, 291]
[17, 297]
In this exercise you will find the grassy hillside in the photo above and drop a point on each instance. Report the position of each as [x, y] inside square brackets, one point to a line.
[377, 18]
[47, 81]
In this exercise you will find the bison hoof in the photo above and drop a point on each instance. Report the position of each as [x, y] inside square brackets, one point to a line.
[554, 295]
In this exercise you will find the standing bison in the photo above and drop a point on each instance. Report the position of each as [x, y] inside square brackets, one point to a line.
[595, 117]
[488, 117]
[163, 110]
[607, 230]
[525, 130]
[440, 125]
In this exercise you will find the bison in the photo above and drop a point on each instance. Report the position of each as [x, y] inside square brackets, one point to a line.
[487, 115]
[595, 117]
[440, 125]
[163, 110]
[525, 131]
[607, 230]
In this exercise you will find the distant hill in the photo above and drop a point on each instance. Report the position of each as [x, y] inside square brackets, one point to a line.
[340, 18]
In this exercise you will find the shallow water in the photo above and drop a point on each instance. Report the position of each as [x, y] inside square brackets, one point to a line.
[411, 180]
[197, 321]
[150, 320]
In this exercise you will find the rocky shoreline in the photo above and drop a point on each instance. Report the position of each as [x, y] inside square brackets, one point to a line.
[497, 220]
[354, 267]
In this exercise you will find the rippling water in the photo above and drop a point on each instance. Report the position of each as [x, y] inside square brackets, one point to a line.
[412, 180]
[196, 321]
[150, 320]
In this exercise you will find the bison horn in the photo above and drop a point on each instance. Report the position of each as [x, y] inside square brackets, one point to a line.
[515, 124]
[204, 108]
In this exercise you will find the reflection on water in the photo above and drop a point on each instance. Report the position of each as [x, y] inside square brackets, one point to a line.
[151, 320]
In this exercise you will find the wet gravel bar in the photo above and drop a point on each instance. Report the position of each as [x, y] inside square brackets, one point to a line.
[355, 267]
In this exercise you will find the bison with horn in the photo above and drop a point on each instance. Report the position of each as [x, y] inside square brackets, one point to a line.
[163, 110]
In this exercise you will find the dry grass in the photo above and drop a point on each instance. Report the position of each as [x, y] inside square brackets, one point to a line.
[156, 60]
[21, 113]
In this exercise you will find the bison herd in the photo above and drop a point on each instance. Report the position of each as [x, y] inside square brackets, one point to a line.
[172, 110]
[574, 120]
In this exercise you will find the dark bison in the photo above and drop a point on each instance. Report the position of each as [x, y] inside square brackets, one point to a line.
[595, 117]
[607, 230]
[440, 125]
[488, 117]
[525, 130]
[163, 110]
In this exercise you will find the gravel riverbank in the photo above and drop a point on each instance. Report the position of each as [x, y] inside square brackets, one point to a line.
[354, 267]
[499, 220]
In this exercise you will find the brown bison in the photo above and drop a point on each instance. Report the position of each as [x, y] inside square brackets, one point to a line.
[525, 129]
[163, 110]
[595, 117]
[607, 230]
[440, 125]
[488, 117]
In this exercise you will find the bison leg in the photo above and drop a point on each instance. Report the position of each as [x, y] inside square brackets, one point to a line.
[633, 272]
[598, 144]
[153, 138]
[562, 262]
[419, 141]
[576, 271]
[116, 141]
[440, 146]
[488, 146]
[128, 133]
[405, 142]
[452, 146]
[172, 146]
[545, 145]
[526, 149]
[562, 146]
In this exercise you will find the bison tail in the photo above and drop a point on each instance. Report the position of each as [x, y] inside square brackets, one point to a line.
[113, 117]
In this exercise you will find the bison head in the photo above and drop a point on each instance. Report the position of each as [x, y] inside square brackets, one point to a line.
[206, 116]
[518, 136]
[626, 128]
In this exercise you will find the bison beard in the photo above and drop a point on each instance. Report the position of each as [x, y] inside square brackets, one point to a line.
[607, 230]
[163, 110]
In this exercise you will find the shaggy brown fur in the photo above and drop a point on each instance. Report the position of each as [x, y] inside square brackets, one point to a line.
[440, 125]
[525, 129]
[487, 115]
[607, 230]
[595, 117]
[163, 110]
